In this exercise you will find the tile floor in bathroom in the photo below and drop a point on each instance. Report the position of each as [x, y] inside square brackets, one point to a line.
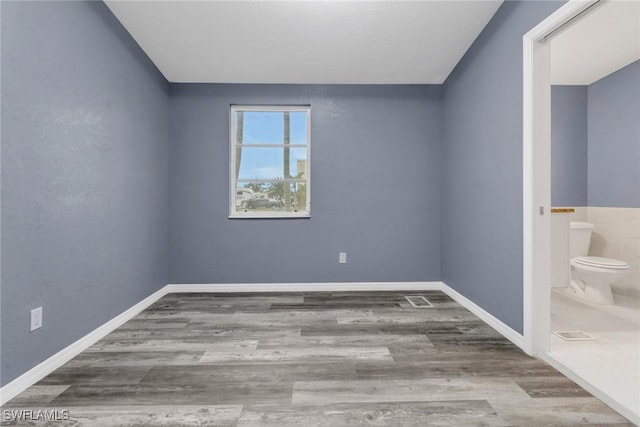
[611, 361]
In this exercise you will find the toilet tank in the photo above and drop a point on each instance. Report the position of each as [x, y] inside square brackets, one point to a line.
[579, 238]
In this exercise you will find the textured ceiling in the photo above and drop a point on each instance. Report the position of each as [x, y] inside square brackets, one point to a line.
[597, 45]
[305, 41]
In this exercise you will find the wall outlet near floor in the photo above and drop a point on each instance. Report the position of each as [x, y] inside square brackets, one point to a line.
[342, 258]
[36, 319]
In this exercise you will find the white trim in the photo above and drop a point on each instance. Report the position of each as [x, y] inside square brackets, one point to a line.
[485, 316]
[536, 176]
[307, 163]
[527, 196]
[232, 162]
[536, 207]
[306, 287]
[615, 405]
[557, 19]
[282, 108]
[35, 374]
[274, 214]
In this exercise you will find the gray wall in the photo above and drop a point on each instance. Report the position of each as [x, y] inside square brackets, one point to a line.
[375, 188]
[569, 146]
[595, 142]
[614, 139]
[84, 175]
[482, 165]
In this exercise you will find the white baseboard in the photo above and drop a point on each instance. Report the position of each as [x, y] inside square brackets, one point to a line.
[35, 374]
[613, 404]
[307, 287]
[487, 317]
[43, 369]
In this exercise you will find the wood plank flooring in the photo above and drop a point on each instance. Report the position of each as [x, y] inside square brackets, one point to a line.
[310, 359]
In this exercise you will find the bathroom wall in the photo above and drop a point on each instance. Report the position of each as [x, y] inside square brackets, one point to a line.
[375, 188]
[614, 139]
[482, 165]
[569, 146]
[84, 176]
[614, 171]
[610, 112]
[616, 234]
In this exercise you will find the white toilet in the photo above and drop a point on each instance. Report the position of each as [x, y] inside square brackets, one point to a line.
[591, 276]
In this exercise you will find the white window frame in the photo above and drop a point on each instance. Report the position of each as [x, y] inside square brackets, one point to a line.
[233, 213]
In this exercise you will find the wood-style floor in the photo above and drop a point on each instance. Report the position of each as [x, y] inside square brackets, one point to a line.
[310, 359]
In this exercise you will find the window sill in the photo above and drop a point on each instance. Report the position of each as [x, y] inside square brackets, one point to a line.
[269, 215]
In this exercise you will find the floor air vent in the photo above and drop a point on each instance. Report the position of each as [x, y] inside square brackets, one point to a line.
[418, 301]
[574, 335]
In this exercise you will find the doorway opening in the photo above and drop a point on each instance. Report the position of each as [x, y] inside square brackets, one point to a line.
[537, 201]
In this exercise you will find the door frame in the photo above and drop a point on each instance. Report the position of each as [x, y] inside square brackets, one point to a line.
[536, 173]
[536, 181]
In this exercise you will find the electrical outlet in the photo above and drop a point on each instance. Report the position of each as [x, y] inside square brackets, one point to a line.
[36, 319]
[342, 258]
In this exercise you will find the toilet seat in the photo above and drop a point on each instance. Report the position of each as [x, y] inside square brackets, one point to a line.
[601, 262]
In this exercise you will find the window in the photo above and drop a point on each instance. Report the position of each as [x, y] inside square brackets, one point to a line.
[270, 149]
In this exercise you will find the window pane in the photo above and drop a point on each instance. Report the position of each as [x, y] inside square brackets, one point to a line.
[297, 162]
[298, 126]
[263, 127]
[274, 196]
[260, 163]
[268, 162]
[267, 127]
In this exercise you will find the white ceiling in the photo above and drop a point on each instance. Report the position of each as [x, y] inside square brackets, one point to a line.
[597, 45]
[305, 41]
